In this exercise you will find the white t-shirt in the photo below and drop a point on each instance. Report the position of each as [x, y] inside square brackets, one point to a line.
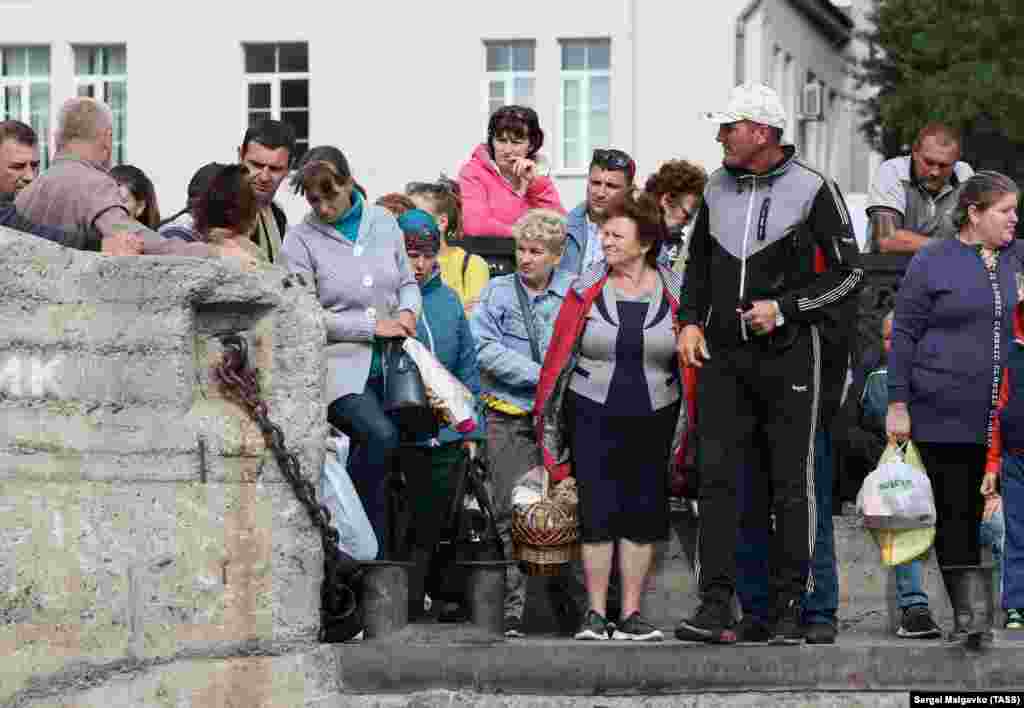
[593, 253]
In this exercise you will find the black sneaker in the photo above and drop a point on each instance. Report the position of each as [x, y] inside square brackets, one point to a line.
[514, 628]
[820, 633]
[712, 622]
[753, 631]
[594, 628]
[453, 612]
[917, 623]
[787, 624]
[635, 628]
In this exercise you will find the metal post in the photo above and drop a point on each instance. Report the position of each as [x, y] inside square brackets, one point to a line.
[485, 591]
[385, 597]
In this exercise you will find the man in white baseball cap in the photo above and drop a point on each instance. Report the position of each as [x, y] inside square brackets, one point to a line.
[751, 127]
[765, 313]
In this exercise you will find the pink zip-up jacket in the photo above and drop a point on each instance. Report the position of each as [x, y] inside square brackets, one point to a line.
[489, 204]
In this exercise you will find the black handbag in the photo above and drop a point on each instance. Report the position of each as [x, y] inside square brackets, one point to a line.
[405, 395]
[469, 534]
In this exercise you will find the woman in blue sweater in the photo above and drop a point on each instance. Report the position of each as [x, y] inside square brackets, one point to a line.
[952, 328]
[429, 465]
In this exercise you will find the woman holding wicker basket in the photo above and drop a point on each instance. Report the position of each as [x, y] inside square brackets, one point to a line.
[512, 325]
[609, 405]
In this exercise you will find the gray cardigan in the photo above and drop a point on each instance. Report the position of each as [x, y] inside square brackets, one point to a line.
[357, 284]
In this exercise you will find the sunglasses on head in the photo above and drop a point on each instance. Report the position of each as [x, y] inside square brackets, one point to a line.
[440, 186]
[516, 112]
[614, 160]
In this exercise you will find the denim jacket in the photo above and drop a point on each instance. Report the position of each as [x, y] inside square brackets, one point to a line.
[507, 368]
[575, 240]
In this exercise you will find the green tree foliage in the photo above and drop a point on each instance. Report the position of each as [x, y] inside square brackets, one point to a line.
[960, 62]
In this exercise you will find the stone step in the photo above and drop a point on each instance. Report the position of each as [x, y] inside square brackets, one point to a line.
[426, 657]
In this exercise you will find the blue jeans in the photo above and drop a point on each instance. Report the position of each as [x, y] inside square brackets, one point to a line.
[374, 444]
[753, 543]
[909, 588]
[1012, 485]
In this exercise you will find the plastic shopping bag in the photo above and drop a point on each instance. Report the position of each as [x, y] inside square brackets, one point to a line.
[899, 546]
[898, 494]
[340, 497]
[452, 402]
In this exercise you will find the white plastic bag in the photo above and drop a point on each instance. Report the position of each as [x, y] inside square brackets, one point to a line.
[530, 488]
[356, 535]
[898, 494]
[449, 398]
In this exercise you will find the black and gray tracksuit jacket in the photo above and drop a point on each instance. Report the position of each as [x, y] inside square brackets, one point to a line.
[764, 237]
[784, 235]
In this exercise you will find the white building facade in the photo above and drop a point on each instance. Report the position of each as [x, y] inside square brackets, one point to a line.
[806, 50]
[404, 88]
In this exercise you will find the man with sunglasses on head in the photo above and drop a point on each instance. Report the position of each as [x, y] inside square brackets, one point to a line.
[611, 174]
[773, 266]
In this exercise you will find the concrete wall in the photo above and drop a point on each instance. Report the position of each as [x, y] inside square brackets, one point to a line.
[142, 521]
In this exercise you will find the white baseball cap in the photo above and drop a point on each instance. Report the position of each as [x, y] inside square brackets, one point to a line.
[754, 102]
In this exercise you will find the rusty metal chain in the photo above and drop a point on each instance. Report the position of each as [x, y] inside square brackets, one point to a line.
[337, 600]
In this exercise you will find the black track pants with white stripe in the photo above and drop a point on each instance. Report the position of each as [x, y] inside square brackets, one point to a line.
[753, 399]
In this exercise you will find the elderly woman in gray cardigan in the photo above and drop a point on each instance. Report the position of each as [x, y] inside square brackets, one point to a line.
[355, 254]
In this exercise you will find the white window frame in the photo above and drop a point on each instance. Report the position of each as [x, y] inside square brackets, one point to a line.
[275, 79]
[508, 77]
[24, 84]
[584, 76]
[97, 83]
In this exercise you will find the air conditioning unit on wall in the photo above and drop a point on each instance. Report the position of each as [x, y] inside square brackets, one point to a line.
[811, 101]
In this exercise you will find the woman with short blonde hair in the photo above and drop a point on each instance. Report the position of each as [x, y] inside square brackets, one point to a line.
[510, 342]
[544, 225]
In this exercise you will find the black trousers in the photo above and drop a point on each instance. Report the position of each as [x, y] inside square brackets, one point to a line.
[955, 471]
[758, 403]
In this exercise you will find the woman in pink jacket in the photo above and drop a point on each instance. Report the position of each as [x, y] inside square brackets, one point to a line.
[500, 182]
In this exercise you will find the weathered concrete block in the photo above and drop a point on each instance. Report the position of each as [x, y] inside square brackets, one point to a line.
[142, 519]
[259, 675]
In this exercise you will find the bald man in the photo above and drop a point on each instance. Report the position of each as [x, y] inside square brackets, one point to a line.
[77, 192]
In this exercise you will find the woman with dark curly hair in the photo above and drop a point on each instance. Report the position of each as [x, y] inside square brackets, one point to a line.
[227, 212]
[506, 177]
[678, 186]
[610, 378]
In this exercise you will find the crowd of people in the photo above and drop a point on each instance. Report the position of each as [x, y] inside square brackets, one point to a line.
[701, 325]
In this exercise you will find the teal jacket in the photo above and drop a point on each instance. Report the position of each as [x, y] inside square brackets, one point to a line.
[442, 327]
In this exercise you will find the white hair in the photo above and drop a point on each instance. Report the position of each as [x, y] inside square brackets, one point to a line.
[82, 118]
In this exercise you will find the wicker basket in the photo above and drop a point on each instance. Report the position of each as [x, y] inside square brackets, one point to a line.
[545, 534]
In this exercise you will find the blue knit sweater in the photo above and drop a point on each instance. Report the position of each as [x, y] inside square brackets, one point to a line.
[443, 328]
[945, 363]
